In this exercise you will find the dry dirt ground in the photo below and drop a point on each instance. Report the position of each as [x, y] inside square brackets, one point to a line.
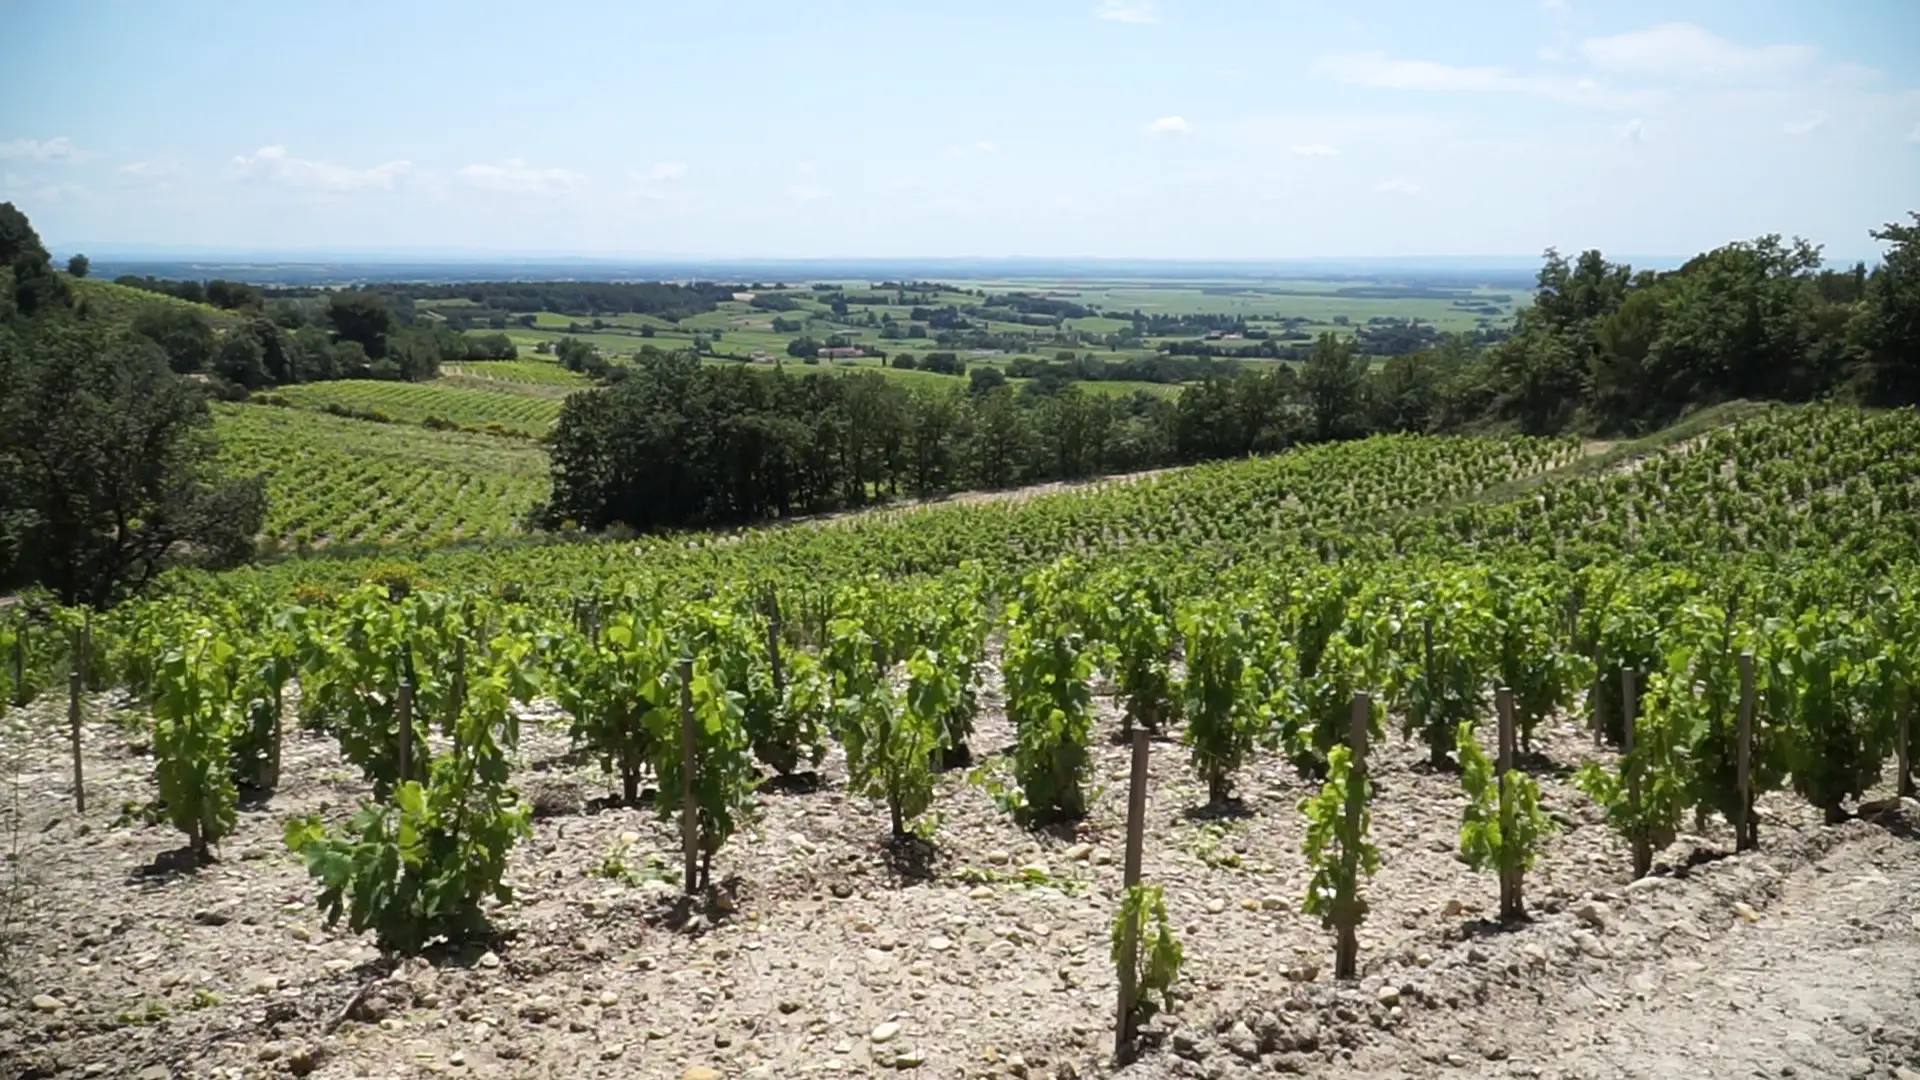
[823, 959]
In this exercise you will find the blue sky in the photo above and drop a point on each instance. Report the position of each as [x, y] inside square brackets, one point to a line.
[1122, 128]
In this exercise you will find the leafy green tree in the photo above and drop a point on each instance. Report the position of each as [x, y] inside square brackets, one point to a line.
[361, 318]
[35, 287]
[1334, 382]
[111, 466]
[1888, 327]
[184, 334]
[241, 359]
[79, 266]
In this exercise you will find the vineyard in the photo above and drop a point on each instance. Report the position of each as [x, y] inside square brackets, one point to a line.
[1368, 759]
[518, 374]
[430, 405]
[333, 481]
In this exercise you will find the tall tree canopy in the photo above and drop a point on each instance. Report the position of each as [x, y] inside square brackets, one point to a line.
[107, 462]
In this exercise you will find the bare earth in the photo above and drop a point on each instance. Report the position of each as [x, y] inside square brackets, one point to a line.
[823, 960]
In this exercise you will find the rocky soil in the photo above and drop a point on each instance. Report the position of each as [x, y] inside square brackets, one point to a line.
[822, 956]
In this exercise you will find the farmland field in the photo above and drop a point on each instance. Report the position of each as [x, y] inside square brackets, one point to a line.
[897, 914]
[336, 481]
[418, 403]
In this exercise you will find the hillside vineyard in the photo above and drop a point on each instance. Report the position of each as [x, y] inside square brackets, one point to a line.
[1758, 577]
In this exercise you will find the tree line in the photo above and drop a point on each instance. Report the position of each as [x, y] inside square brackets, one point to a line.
[346, 335]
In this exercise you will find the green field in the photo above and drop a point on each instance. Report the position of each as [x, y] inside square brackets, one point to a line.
[515, 376]
[108, 302]
[338, 481]
[424, 403]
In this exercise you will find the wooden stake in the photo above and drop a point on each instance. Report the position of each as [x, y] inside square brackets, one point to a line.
[406, 731]
[689, 805]
[1903, 736]
[1123, 1032]
[279, 733]
[1745, 829]
[73, 724]
[773, 643]
[20, 667]
[1511, 904]
[1630, 719]
[1346, 958]
[1599, 680]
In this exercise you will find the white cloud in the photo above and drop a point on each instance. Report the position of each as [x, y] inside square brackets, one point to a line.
[1376, 69]
[1313, 150]
[1169, 125]
[1633, 131]
[982, 147]
[151, 169]
[60, 149]
[273, 163]
[1914, 135]
[806, 193]
[1397, 187]
[1806, 125]
[1553, 5]
[1139, 12]
[1550, 54]
[1687, 51]
[668, 170]
[516, 176]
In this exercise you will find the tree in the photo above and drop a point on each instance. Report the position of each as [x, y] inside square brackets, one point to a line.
[36, 288]
[241, 359]
[182, 333]
[109, 466]
[1335, 382]
[79, 265]
[1888, 327]
[361, 318]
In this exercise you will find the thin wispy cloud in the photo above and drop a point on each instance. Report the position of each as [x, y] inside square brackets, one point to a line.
[1380, 71]
[1914, 135]
[1313, 150]
[275, 165]
[1683, 50]
[1139, 12]
[668, 170]
[1169, 125]
[1397, 187]
[59, 149]
[514, 176]
[808, 193]
[984, 146]
[1806, 125]
[1633, 131]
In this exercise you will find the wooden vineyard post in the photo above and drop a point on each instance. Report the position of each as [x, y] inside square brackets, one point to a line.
[73, 726]
[406, 731]
[1903, 744]
[689, 804]
[1123, 1032]
[279, 734]
[1746, 830]
[1630, 719]
[1512, 906]
[1599, 680]
[1346, 957]
[20, 668]
[773, 643]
